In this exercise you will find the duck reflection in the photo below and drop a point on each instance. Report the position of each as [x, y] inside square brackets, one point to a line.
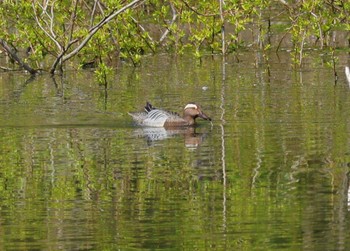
[192, 138]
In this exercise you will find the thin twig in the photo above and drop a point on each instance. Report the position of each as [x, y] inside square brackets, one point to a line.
[141, 35]
[72, 20]
[196, 11]
[52, 20]
[6, 68]
[223, 45]
[319, 28]
[302, 48]
[93, 13]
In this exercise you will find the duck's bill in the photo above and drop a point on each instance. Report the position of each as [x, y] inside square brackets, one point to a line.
[204, 116]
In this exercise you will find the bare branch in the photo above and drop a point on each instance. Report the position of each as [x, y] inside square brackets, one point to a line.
[319, 29]
[93, 12]
[98, 26]
[165, 34]
[62, 57]
[72, 20]
[52, 20]
[52, 36]
[223, 45]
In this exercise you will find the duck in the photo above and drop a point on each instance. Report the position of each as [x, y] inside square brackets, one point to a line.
[154, 117]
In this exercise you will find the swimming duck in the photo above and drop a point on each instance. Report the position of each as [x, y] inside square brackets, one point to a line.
[154, 117]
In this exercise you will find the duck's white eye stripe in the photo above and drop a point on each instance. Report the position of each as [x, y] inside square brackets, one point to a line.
[191, 106]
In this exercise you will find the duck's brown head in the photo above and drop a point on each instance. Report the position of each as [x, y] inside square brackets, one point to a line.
[193, 111]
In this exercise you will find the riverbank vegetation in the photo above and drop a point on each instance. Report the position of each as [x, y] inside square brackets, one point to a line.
[54, 35]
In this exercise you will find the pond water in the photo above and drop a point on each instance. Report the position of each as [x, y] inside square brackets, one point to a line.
[271, 173]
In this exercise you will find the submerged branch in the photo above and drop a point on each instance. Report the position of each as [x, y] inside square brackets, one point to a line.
[12, 53]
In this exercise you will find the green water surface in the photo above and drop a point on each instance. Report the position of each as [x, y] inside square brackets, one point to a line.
[269, 174]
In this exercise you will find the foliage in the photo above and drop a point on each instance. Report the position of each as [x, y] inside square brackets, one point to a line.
[47, 34]
[101, 73]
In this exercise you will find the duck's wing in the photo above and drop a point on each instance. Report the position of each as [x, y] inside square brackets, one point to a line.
[140, 117]
[156, 118]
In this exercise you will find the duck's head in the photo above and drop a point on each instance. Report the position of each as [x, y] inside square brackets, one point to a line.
[193, 110]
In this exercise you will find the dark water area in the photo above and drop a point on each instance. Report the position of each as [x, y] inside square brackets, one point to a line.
[271, 173]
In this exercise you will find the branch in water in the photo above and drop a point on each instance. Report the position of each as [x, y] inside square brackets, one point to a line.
[12, 53]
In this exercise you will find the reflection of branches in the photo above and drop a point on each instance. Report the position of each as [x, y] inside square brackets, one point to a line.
[58, 86]
[21, 88]
[223, 149]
